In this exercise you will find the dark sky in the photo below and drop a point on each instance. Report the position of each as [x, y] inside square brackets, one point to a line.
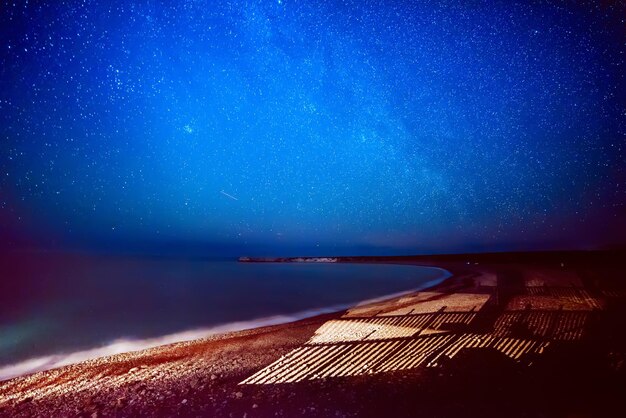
[249, 127]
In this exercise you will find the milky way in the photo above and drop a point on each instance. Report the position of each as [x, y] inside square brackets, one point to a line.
[409, 126]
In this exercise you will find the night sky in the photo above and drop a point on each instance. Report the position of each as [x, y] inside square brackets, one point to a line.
[254, 127]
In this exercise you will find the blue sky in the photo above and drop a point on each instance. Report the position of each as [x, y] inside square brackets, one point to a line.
[293, 126]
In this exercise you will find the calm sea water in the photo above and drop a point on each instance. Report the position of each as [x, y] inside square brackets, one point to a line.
[52, 304]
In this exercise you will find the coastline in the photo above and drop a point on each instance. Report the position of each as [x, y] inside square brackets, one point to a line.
[253, 371]
[129, 345]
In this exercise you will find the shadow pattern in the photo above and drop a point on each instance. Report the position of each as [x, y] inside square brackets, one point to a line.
[370, 341]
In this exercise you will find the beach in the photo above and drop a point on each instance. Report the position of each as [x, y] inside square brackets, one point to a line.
[526, 334]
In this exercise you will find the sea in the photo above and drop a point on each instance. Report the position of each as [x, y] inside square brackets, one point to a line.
[57, 309]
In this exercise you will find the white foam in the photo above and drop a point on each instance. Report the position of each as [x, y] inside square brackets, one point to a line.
[125, 345]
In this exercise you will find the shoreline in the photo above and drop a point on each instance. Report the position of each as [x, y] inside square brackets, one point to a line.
[129, 345]
[572, 355]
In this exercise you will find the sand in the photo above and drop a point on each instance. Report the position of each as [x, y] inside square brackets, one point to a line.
[504, 336]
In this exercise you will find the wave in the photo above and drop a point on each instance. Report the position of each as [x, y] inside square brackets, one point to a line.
[126, 345]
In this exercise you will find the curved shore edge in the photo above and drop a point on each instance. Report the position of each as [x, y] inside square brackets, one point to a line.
[129, 345]
[316, 367]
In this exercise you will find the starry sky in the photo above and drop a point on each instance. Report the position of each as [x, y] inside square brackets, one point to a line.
[336, 126]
